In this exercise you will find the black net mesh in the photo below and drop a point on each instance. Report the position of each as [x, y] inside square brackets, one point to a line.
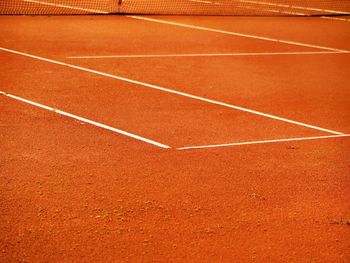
[177, 7]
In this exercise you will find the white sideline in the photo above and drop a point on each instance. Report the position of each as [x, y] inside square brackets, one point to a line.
[106, 127]
[234, 33]
[261, 142]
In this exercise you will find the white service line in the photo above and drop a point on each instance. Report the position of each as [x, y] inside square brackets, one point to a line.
[235, 33]
[261, 142]
[106, 127]
[173, 91]
[66, 6]
[209, 55]
[206, 2]
[202, 1]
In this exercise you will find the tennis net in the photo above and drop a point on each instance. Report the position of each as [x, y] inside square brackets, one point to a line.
[178, 7]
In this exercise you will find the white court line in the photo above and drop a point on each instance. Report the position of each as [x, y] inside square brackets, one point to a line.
[291, 7]
[252, 8]
[304, 8]
[209, 55]
[275, 11]
[261, 142]
[173, 91]
[106, 127]
[335, 18]
[297, 13]
[202, 1]
[66, 6]
[235, 33]
[294, 7]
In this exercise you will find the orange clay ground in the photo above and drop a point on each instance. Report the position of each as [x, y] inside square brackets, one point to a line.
[75, 192]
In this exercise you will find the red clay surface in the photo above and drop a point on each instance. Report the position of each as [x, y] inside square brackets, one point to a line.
[73, 192]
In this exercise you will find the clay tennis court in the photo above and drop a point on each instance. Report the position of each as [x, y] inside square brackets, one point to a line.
[175, 138]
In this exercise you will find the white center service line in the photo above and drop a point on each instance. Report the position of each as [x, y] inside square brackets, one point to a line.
[235, 33]
[106, 127]
[208, 55]
[262, 142]
[155, 87]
